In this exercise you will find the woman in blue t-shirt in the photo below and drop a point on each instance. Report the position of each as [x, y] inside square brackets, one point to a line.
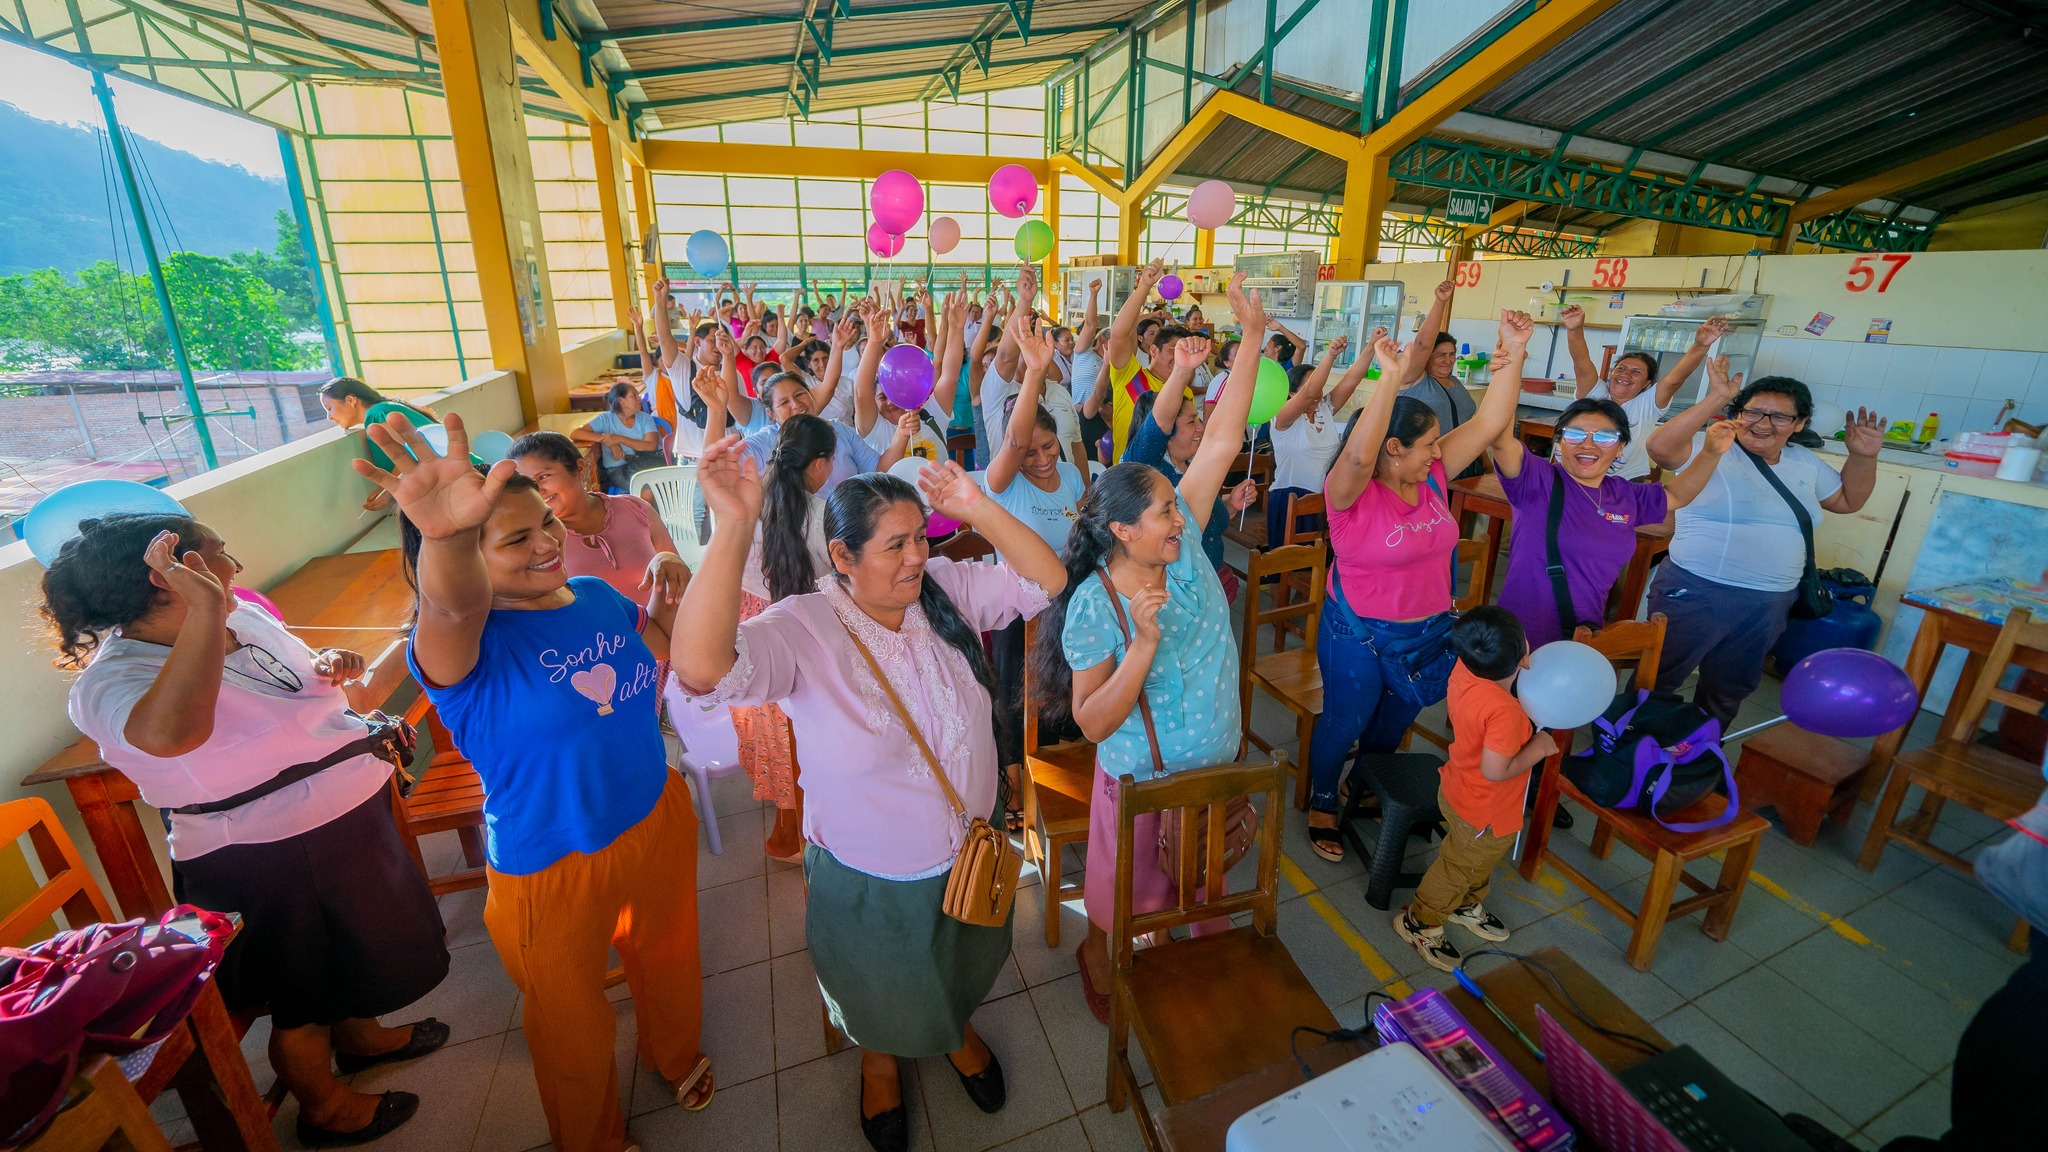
[548, 685]
[629, 434]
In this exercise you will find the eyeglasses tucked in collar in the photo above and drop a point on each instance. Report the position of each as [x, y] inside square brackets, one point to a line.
[1758, 416]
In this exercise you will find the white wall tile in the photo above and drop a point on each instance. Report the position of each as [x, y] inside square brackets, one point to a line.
[1832, 393]
[1912, 406]
[1854, 398]
[1956, 371]
[1865, 365]
[1976, 418]
[1787, 357]
[2006, 374]
[1826, 361]
[1908, 368]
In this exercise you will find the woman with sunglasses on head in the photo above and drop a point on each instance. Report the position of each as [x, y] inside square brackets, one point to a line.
[274, 792]
[1598, 514]
[1739, 551]
[1628, 384]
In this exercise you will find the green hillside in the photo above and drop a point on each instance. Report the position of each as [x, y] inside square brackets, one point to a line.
[55, 197]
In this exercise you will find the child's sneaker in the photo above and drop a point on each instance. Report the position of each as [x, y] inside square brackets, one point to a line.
[1439, 952]
[1480, 923]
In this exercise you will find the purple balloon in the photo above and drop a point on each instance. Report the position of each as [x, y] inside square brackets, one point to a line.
[898, 201]
[906, 376]
[1170, 287]
[1012, 190]
[1848, 692]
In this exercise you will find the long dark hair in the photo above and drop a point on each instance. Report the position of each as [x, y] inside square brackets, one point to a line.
[1409, 420]
[99, 581]
[552, 446]
[350, 388]
[1595, 406]
[852, 514]
[1118, 496]
[786, 505]
[409, 537]
[619, 392]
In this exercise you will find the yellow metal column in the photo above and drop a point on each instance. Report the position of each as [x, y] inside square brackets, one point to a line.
[1130, 233]
[611, 210]
[1049, 268]
[644, 216]
[1366, 186]
[1205, 247]
[480, 75]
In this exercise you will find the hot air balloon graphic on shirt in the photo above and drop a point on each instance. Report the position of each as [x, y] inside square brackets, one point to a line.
[596, 683]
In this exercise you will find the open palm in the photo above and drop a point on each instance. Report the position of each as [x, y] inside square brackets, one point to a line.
[443, 496]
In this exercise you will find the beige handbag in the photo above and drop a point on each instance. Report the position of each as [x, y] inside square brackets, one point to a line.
[983, 883]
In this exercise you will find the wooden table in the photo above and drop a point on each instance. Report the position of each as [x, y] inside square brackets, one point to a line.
[1537, 431]
[1199, 1125]
[357, 600]
[1483, 495]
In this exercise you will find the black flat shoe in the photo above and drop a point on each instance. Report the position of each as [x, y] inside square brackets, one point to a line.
[986, 1087]
[1562, 819]
[889, 1132]
[393, 1110]
[427, 1035]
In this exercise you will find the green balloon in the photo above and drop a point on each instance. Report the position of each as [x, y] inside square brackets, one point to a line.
[1034, 241]
[1269, 394]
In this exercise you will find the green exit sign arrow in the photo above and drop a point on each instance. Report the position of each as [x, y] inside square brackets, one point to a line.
[1470, 207]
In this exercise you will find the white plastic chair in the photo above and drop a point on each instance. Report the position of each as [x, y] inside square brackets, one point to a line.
[710, 749]
[681, 506]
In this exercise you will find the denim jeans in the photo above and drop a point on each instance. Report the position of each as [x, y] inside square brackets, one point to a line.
[1357, 704]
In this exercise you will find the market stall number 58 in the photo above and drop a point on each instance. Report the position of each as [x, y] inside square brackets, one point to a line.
[1864, 274]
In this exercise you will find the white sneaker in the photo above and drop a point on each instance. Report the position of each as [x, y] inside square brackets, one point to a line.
[1480, 923]
[1440, 953]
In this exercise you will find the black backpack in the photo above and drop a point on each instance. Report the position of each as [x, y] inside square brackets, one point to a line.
[1656, 752]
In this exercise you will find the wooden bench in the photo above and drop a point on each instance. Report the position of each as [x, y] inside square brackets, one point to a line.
[1804, 775]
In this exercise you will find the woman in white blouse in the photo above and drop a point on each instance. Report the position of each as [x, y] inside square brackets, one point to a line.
[275, 793]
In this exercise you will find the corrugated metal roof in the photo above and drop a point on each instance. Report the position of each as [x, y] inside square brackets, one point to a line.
[2016, 173]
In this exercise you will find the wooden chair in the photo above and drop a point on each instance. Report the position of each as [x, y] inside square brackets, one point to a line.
[966, 544]
[1956, 767]
[1298, 505]
[1475, 558]
[1058, 783]
[1211, 1008]
[1258, 467]
[1641, 642]
[102, 1112]
[447, 795]
[960, 446]
[202, 1059]
[1293, 678]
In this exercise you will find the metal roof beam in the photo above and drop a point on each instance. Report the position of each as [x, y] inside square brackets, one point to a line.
[564, 63]
[1965, 155]
[1743, 35]
[978, 38]
[730, 23]
[714, 97]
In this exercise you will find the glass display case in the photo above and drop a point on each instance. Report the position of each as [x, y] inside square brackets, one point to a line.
[1117, 281]
[1353, 308]
[1668, 337]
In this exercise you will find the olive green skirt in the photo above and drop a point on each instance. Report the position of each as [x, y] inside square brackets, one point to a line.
[899, 975]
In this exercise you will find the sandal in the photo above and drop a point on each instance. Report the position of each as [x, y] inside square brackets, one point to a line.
[699, 1075]
[1327, 842]
[1013, 819]
[1098, 1002]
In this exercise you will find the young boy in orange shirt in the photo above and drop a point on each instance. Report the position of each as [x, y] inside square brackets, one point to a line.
[1492, 746]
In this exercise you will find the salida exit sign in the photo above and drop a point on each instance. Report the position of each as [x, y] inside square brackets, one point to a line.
[1470, 207]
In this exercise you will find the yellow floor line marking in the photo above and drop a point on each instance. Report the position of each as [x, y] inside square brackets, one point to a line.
[1374, 962]
[1839, 926]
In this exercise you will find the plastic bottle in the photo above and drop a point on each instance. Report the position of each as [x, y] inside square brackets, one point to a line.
[1929, 428]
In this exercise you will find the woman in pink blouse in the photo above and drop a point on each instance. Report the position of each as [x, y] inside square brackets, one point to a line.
[900, 977]
[617, 539]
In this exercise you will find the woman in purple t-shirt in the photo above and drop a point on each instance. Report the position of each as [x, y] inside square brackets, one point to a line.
[1596, 532]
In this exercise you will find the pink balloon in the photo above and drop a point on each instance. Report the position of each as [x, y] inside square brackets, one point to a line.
[945, 235]
[1170, 287]
[882, 242]
[1211, 204]
[1013, 190]
[898, 201]
[939, 524]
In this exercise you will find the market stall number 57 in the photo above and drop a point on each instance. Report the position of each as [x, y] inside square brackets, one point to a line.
[1865, 275]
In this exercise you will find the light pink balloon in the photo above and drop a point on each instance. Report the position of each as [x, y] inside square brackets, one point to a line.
[945, 235]
[882, 243]
[1211, 204]
[898, 201]
[1013, 191]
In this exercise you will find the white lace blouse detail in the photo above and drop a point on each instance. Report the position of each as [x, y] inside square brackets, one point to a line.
[900, 654]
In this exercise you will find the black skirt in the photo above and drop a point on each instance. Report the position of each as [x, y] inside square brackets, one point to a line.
[337, 922]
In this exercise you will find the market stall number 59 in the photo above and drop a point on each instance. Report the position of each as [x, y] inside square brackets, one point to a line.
[1864, 274]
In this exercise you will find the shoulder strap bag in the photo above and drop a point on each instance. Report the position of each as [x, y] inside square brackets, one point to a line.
[1560, 588]
[983, 882]
[1814, 600]
[1240, 820]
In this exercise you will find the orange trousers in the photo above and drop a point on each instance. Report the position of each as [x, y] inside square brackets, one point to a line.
[553, 928]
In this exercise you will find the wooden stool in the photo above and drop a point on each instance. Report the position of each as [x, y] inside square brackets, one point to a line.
[1802, 774]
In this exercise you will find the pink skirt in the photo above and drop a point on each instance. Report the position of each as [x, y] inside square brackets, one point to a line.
[1151, 889]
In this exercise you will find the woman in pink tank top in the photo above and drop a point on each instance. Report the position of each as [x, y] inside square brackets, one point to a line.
[617, 539]
[1383, 642]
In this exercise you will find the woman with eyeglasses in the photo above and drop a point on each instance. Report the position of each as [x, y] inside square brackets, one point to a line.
[617, 539]
[1739, 551]
[1598, 514]
[275, 794]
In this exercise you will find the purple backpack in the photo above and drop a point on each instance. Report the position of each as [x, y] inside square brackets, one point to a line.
[1658, 753]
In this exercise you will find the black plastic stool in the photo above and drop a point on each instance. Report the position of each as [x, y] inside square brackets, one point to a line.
[1406, 785]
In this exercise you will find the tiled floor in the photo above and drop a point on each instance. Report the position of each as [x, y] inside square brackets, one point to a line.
[1839, 994]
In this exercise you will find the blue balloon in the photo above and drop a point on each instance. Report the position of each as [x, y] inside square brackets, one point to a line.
[55, 517]
[490, 446]
[707, 253]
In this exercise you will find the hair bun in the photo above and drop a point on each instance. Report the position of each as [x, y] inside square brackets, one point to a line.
[90, 524]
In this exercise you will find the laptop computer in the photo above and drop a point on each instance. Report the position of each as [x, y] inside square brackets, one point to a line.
[1672, 1102]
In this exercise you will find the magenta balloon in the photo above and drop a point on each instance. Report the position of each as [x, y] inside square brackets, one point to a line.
[1170, 287]
[1013, 190]
[939, 524]
[1211, 204]
[945, 235]
[882, 242]
[906, 376]
[1848, 692]
[898, 201]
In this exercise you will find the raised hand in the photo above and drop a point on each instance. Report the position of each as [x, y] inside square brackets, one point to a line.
[1721, 387]
[1573, 318]
[1703, 337]
[951, 492]
[1515, 329]
[1240, 498]
[1145, 608]
[338, 666]
[1386, 353]
[1444, 291]
[1865, 433]
[1245, 306]
[1037, 349]
[845, 333]
[1720, 437]
[667, 575]
[730, 481]
[442, 495]
[188, 578]
[1149, 277]
[1190, 351]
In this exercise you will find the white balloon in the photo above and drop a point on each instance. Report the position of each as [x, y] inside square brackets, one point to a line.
[1828, 418]
[908, 468]
[1566, 684]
